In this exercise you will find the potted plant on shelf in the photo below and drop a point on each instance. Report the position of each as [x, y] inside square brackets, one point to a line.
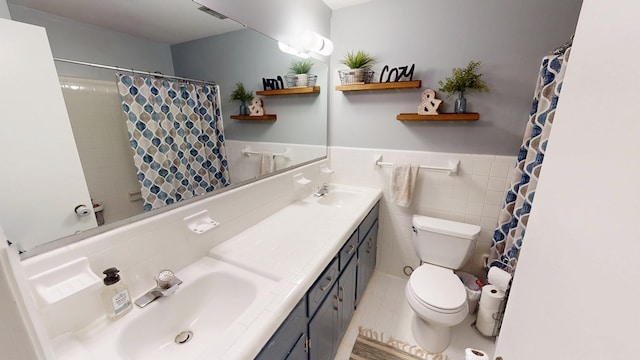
[240, 93]
[301, 70]
[359, 71]
[462, 79]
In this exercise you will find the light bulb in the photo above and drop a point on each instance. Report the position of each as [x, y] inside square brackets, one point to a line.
[313, 41]
[292, 51]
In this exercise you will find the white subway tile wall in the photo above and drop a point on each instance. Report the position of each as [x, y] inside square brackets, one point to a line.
[100, 131]
[475, 195]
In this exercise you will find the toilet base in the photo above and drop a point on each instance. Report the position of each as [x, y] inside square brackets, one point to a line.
[432, 338]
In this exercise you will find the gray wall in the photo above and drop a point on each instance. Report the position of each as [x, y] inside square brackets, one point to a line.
[247, 56]
[79, 41]
[4, 10]
[508, 37]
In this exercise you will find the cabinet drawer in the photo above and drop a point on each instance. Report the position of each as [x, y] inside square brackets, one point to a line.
[322, 286]
[348, 249]
[368, 221]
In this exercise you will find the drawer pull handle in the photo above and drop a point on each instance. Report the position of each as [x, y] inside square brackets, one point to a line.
[341, 294]
[330, 279]
[335, 306]
[351, 249]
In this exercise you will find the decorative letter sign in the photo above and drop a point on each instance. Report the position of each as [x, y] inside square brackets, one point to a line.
[255, 109]
[273, 84]
[429, 104]
[395, 74]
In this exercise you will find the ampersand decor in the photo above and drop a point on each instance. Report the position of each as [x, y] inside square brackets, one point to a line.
[429, 104]
[255, 109]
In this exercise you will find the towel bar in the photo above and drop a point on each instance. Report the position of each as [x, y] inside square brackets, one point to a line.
[248, 152]
[452, 169]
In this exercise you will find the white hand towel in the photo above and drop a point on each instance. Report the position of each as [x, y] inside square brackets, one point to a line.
[267, 163]
[403, 181]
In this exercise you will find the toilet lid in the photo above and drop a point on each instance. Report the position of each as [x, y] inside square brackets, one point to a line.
[438, 287]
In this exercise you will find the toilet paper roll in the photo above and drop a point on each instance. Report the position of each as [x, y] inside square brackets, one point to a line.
[491, 297]
[474, 354]
[485, 322]
[499, 278]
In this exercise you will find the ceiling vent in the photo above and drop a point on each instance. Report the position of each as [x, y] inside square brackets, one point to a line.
[212, 12]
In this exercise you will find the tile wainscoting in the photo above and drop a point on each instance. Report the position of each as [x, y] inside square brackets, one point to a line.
[475, 195]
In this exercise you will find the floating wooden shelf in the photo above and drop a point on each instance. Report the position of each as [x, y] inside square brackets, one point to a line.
[381, 86]
[439, 117]
[290, 91]
[248, 117]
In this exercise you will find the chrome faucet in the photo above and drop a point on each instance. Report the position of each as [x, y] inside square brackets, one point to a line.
[322, 191]
[166, 284]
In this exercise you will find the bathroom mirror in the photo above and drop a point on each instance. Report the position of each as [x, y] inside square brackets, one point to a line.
[242, 55]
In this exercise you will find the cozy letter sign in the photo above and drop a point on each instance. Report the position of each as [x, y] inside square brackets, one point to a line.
[395, 74]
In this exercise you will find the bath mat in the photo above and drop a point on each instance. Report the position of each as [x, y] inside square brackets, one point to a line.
[371, 345]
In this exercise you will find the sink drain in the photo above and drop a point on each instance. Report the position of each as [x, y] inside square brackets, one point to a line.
[184, 337]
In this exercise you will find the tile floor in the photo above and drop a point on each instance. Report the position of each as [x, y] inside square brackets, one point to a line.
[384, 309]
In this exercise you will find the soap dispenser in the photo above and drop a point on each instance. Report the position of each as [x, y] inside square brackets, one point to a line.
[115, 295]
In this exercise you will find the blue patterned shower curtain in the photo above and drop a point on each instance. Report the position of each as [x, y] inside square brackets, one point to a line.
[512, 223]
[176, 132]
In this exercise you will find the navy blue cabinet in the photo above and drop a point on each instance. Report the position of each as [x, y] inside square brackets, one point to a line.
[299, 351]
[314, 329]
[329, 324]
[290, 336]
[323, 328]
[366, 260]
[346, 298]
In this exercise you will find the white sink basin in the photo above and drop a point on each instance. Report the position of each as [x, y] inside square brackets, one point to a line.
[216, 302]
[339, 197]
[201, 312]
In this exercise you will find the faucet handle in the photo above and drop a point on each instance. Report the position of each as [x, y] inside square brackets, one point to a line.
[167, 279]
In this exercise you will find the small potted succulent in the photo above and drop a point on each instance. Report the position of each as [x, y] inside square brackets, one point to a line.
[359, 64]
[240, 93]
[301, 70]
[462, 79]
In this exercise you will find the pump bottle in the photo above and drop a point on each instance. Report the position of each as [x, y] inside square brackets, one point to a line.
[115, 295]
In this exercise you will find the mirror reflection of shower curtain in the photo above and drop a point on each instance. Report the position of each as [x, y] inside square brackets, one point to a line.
[176, 133]
[512, 223]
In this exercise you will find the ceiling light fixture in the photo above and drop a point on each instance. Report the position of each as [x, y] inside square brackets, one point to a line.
[315, 42]
[291, 50]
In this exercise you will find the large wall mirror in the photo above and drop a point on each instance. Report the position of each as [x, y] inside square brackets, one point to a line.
[182, 40]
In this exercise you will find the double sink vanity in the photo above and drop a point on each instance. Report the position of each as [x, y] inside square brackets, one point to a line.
[285, 288]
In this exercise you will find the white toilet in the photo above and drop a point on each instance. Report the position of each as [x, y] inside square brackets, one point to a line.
[434, 292]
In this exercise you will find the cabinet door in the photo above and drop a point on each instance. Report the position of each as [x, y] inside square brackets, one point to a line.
[323, 328]
[346, 297]
[284, 340]
[299, 351]
[372, 247]
[366, 261]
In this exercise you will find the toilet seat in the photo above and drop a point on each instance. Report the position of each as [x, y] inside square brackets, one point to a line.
[438, 289]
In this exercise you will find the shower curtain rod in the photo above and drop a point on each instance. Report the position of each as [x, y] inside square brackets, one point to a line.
[116, 68]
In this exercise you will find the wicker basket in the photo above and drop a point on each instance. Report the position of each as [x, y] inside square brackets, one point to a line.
[290, 80]
[355, 76]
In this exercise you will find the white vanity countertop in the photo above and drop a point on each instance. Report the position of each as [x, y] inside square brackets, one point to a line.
[293, 246]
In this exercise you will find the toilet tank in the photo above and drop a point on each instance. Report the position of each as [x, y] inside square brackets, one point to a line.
[442, 242]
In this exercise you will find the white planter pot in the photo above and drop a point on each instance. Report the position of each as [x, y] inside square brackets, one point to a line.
[301, 80]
